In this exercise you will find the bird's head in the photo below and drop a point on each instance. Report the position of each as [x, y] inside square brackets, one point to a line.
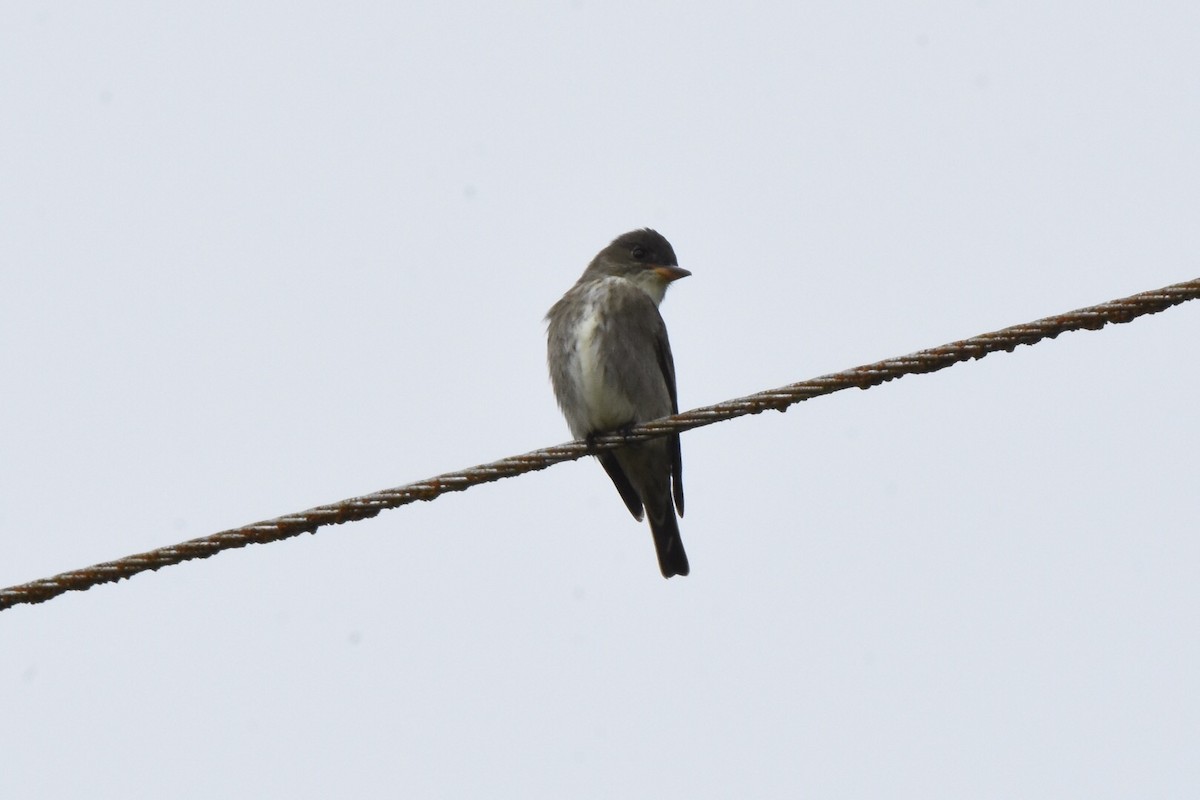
[644, 257]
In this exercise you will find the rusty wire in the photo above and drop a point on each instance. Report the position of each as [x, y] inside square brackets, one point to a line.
[367, 506]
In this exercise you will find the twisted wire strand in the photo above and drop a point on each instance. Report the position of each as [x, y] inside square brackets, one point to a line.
[367, 506]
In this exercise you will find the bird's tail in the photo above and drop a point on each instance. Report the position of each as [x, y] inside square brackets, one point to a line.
[671, 558]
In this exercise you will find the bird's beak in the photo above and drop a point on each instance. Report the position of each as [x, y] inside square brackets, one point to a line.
[669, 274]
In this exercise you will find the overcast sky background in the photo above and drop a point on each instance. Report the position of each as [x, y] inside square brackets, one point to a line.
[258, 257]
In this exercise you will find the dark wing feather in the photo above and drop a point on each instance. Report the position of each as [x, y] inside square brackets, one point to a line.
[644, 341]
[667, 364]
[621, 481]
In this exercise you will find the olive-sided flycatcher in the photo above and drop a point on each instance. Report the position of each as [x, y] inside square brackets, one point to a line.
[611, 366]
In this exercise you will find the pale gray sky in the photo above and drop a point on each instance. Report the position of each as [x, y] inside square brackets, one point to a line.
[261, 256]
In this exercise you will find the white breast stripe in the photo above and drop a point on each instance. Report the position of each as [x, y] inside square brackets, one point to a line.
[606, 407]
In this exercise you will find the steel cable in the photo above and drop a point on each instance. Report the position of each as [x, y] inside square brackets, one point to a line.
[366, 506]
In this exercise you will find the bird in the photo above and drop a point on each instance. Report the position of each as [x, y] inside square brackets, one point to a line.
[611, 368]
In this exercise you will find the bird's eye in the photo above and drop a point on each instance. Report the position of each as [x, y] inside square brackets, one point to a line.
[638, 252]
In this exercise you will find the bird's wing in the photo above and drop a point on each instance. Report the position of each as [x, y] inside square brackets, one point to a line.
[613, 467]
[642, 344]
[667, 364]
